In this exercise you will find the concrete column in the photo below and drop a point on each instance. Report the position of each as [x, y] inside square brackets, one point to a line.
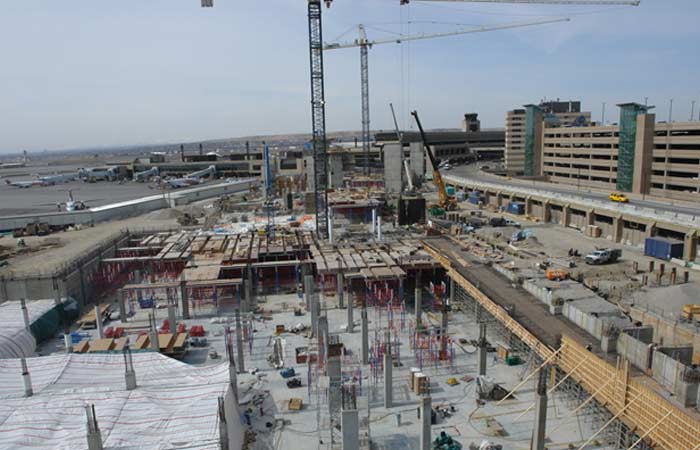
[651, 229]
[232, 373]
[25, 313]
[122, 306]
[590, 217]
[350, 427]
[425, 417]
[184, 300]
[249, 290]
[482, 349]
[340, 281]
[365, 337]
[67, 340]
[546, 211]
[308, 290]
[315, 306]
[499, 199]
[374, 220]
[539, 431]
[444, 324]
[94, 436]
[330, 225]
[690, 246]
[419, 300]
[26, 379]
[388, 377]
[322, 329]
[153, 336]
[239, 342]
[618, 225]
[56, 292]
[98, 322]
[172, 317]
[651, 266]
[351, 321]
[379, 228]
[129, 372]
[223, 426]
[528, 206]
[565, 215]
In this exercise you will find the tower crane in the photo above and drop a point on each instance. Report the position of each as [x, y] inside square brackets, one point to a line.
[365, 44]
[318, 116]
[542, 2]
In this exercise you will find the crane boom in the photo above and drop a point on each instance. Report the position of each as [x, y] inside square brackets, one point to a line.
[445, 201]
[420, 36]
[544, 2]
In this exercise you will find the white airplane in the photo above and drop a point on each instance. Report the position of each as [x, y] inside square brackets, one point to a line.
[25, 184]
[59, 178]
[74, 205]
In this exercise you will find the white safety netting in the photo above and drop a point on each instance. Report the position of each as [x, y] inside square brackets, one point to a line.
[15, 340]
[174, 405]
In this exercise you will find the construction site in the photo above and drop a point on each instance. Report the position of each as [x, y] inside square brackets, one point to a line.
[353, 306]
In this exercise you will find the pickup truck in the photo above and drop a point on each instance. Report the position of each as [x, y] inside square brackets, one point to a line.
[603, 256]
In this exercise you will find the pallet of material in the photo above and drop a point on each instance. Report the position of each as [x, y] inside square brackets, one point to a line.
[295, 404]
[87, 321]
[142, 342]
[81, 347]
[101, 345]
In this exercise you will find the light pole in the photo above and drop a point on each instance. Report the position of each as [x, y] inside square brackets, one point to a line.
[692, 109]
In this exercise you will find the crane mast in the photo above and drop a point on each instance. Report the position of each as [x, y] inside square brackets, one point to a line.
[364, 81]
[318, 118]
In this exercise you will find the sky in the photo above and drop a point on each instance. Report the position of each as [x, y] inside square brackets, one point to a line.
[86, 73]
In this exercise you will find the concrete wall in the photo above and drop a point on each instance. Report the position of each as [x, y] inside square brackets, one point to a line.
[417, 155]
[668, 366]
[393, 170]
[633, 344]
[70, 279]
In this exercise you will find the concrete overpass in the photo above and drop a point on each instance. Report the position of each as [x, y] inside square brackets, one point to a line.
[627, 224]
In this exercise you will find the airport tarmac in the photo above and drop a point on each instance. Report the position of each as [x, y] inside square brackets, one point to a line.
[36, 199]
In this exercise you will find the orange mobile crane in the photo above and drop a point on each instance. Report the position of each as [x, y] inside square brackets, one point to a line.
[445, 201]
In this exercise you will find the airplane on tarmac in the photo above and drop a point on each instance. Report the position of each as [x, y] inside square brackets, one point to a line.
[25, 184]
[59, 178]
